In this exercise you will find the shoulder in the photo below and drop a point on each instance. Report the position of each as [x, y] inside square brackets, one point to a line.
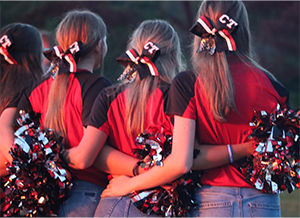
[39, 85]
[87, 78]
[163, 86]
[184, 81]
[112, 92]
[186, 76]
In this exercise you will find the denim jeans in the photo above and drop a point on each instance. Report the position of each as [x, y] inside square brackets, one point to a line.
[118, 207]
[83, 201]
[216, 201]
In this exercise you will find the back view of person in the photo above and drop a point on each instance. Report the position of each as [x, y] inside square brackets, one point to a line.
[217, 100]
[21, 64]
[65, 99]
[123, 111]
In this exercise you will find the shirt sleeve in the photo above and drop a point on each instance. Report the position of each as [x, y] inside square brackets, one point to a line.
[281, 90]
[24, 104]
[90, 95]
[181, 100]
[98, 116]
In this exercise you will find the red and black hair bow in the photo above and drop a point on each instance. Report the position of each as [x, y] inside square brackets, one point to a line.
[63, 62]
[6, 42]
[215, 38]
[142, 64]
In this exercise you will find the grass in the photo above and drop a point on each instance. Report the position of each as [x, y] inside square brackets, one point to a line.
[290, 203]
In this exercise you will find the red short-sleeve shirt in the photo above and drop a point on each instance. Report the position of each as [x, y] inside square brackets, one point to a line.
[254, 90]
[82, 91]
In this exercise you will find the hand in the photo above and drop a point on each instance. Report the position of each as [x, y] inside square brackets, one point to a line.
[251, 146]
[118, 186]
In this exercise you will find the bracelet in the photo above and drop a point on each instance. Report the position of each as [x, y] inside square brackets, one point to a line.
[135, 169]
[230, 153]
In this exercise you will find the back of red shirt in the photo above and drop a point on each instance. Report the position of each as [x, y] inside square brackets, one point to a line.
[109, 111]
[254, 90]
[82, 91]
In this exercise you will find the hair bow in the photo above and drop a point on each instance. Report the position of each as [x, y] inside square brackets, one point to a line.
[5, 42]
[142, 64]
[63, 62]
[215, 38]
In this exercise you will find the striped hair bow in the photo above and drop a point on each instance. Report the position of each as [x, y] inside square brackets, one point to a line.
[142, 64]
[63, 62]
[215, 38]
[6, 42]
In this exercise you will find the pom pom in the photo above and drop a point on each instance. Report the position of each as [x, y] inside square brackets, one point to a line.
[174, 199]
[274, 165]
[38, 179]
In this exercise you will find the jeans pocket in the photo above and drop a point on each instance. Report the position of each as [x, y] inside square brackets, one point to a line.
[92, 196]
[215, 209]
[264, 210]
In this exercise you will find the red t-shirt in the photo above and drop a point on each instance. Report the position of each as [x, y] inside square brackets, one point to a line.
[82, 91]
[108, 115]
[254, 90]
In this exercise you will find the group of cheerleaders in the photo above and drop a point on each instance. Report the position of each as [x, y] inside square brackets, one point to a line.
[207, 107]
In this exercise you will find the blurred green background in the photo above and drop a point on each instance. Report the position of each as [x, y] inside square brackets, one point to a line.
[274, 26]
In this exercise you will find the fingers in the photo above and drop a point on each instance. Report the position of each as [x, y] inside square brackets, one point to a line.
[115, 176]
[105, 193]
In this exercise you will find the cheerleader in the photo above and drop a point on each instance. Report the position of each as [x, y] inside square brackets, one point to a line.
[215, 101]
[21, 64]
[64, 99]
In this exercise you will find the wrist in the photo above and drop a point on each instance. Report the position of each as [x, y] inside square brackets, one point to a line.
[230, 154]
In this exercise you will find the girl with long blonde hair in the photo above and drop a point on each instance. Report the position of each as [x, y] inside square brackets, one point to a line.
[215, 101]
[64, 99]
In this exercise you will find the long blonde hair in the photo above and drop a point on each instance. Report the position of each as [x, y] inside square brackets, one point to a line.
[213, 69]
[168, 64]
[84, 26]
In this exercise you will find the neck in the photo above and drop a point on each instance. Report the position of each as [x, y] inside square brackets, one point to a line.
[86, 63]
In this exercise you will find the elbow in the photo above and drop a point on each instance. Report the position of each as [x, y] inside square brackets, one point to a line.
[78, 162]
[81, 165]
[184, 168]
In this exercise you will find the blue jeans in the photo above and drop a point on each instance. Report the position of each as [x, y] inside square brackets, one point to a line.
[83, 201]
[118, 207]
[216, 201]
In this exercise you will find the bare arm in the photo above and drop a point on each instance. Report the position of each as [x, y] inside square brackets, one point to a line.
[175, 165]
[216, 156]
[84, 155]
[3, 170]
[7, 133]
[113, 161]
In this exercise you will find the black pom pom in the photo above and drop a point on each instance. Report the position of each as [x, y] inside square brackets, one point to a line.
[176, 198]
[38, 180]
[275, 165]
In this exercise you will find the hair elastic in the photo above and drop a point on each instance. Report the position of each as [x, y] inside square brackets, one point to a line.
[230, 153]
[5, 42]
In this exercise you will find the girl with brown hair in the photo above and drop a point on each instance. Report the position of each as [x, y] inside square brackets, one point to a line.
[21, 65]
[64, 100]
